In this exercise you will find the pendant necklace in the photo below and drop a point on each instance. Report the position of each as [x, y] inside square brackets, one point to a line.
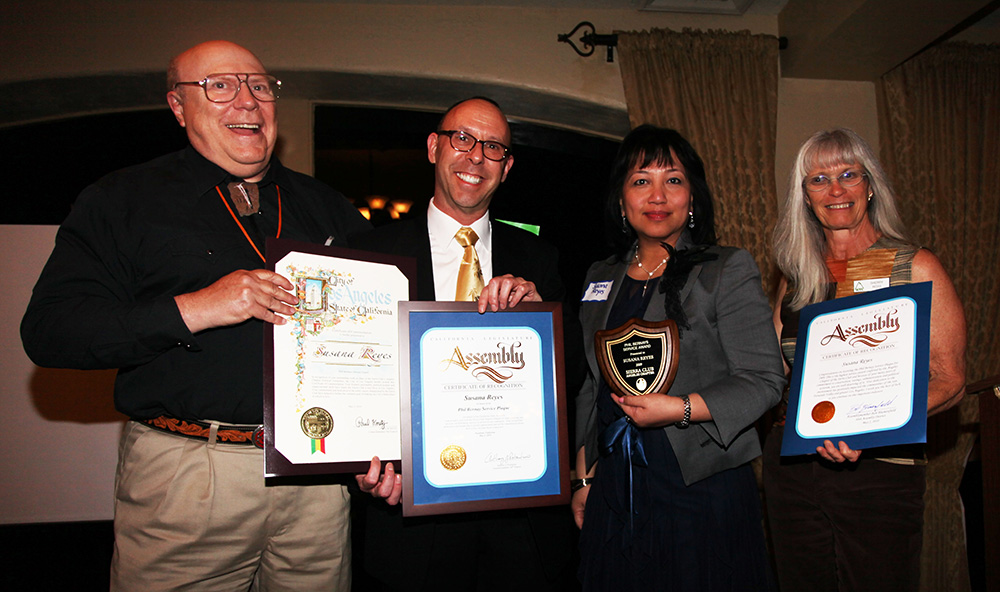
[638, 264]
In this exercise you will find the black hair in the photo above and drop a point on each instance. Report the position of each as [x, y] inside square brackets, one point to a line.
[645, 145]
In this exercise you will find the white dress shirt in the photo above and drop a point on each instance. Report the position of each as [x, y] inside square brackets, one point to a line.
[446, 253]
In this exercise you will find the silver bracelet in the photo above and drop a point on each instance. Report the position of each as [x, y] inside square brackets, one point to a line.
[687, 413]
[578, 484]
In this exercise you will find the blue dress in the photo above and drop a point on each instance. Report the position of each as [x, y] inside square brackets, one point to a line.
[644, 529]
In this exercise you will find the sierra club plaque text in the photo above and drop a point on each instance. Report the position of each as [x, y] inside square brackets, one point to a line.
[639, 357]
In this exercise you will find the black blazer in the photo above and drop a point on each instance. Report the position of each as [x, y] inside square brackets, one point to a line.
[398, 551]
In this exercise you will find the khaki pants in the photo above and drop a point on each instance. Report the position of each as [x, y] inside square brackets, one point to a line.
[190, 515]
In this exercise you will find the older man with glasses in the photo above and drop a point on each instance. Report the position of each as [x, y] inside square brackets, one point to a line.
[158, 272]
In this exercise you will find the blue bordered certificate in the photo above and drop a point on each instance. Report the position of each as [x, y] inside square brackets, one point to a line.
[482, 408]
[861, 371]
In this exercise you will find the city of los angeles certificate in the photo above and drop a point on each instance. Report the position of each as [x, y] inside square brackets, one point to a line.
[861, 371]
[332, 383]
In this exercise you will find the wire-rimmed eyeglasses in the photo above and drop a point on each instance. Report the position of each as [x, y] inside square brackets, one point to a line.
[848, 178]
[222, 88]
[466, 142]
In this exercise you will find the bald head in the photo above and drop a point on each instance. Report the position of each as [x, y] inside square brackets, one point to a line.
[238, 135]
[199, 52]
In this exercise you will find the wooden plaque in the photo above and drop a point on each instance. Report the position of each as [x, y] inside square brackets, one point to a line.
[640, 357]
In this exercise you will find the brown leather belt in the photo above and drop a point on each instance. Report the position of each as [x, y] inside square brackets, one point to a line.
[247, 435]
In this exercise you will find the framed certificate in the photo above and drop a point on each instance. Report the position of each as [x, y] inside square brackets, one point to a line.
[861, 371]
[331, 373]
[483, 407]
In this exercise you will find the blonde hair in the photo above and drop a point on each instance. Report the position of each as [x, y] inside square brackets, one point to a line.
[799, 242]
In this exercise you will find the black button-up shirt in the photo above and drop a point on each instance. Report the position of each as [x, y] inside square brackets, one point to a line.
[139, 237]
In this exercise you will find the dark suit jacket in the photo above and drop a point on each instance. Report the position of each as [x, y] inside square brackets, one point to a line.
[729, 356]
[399, 551]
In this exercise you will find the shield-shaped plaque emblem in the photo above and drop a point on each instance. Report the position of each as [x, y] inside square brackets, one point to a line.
[640, 357]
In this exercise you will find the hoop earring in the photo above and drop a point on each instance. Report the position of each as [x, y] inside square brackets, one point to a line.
[690, 218]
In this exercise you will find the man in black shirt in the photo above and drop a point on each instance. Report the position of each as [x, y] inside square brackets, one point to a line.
[158, 272]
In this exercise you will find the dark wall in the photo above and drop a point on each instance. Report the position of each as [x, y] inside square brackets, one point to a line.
[46, 165]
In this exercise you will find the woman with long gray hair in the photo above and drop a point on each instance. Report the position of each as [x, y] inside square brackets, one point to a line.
[830, 516]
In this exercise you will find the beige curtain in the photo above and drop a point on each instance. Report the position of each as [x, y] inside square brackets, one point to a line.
[720, 90]
[939, 121]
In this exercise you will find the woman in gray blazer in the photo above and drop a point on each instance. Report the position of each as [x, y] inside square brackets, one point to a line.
[668, 500]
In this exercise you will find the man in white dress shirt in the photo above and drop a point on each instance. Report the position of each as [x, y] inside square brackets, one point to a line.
[507, 550]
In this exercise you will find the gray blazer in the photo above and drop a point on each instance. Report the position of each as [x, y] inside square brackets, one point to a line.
[729, 356]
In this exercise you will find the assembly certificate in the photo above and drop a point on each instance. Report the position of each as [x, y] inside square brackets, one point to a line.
[484, 423]
[861, 371]
[483, 409]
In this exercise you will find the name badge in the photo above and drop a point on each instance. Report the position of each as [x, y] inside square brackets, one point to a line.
[597, 292]
[870, 285]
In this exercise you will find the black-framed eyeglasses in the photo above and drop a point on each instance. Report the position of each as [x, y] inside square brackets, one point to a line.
[466, 142]
[848, 178]
[222, 88]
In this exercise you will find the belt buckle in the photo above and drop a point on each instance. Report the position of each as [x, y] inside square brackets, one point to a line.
[258, 437]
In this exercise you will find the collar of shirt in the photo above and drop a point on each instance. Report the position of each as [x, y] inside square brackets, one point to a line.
[446, 253]
[206, 175]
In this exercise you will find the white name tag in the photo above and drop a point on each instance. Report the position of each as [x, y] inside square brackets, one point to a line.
[870, 285]
[597, 292]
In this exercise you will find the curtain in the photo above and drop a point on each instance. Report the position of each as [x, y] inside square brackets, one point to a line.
[720, 90]
[939, 122]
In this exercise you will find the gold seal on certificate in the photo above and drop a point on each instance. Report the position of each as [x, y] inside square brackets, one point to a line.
[638, 358]
[453, 457]
[317, 423]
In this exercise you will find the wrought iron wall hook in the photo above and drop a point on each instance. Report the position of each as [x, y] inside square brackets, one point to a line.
[590, 40]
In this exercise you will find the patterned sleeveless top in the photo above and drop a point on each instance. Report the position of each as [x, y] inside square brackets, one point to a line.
[886, 258]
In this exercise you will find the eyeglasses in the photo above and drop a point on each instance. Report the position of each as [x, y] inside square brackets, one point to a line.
[848, 178]
[222, 88]
[465, 142]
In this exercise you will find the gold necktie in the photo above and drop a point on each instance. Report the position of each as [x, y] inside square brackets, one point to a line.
[470, 274]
